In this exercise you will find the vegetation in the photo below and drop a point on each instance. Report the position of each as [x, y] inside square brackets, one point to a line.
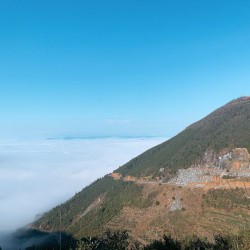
[226, 242]
[227, 127]
[226, 177]
[90, 210]
[227, 198]
[120, 240]
[112, 196]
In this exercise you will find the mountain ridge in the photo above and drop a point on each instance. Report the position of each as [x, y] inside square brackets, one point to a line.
[213, 131]
[148, 205]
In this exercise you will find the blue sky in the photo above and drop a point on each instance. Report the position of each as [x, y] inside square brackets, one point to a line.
[119, 68]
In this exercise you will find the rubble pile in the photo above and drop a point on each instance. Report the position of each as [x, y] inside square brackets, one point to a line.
[228, 164]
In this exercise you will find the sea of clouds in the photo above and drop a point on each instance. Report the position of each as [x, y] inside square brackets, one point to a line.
[37, 175]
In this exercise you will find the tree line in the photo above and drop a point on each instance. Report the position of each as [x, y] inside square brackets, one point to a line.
[120, 240]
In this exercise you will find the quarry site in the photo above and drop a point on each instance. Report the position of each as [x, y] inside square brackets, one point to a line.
[186, 203]
[228, 169]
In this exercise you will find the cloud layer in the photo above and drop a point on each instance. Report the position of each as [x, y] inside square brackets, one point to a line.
[37, 175]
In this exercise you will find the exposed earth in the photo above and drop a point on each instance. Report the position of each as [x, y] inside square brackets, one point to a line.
[203, 199]
[196, 183]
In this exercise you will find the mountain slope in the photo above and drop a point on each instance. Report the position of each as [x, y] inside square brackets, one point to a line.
[142, 207]
[227, 127]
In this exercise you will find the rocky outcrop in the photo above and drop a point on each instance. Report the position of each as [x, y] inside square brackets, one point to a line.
[237, 158]
[116, 176]
[240, 158]
[216, 168]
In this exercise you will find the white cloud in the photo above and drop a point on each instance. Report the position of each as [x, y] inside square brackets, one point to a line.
[37, 175]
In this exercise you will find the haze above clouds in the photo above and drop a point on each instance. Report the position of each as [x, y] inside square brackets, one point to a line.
[37, 175]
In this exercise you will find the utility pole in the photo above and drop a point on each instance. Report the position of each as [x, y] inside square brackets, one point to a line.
[60, 230]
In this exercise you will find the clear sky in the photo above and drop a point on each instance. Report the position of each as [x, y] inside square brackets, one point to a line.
[121, 67]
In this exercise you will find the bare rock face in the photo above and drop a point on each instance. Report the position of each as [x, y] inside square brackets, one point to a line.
[209, 158]
[116, 176]
[237, 158]
[214, 167]
[240, 154]
[176, 204]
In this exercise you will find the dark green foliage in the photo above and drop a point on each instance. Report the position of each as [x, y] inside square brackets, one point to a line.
[166, 243]
[226, 177]
[226, 242]
[195, 243]
[233, 242]
[221, 242]
[116, 240]
[189, 243]
[90, 243]
[111, 240]
[120, 240]
[227, 127]
[115, 195]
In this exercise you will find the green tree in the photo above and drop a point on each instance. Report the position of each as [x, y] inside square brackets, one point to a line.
[118, 240]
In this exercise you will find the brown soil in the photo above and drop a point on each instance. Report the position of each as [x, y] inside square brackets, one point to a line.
[191, 217]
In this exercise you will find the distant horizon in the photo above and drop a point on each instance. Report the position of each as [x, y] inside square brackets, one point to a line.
[87, 137]
[33, 173]
[69, 137]
[73, 136]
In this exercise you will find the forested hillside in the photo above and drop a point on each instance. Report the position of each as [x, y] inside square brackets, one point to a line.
[150, 209]
[227, 127]
[79, 215]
